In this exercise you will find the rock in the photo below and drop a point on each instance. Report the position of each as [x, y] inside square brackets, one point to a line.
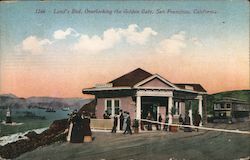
[55, 133]
[31, 135]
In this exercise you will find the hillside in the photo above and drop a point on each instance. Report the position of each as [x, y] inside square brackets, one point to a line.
[10, 100]
[239, 94]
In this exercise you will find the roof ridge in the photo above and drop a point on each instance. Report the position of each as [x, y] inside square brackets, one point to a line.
[131, 78]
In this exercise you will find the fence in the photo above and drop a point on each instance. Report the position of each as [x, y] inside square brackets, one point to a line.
[204, 128]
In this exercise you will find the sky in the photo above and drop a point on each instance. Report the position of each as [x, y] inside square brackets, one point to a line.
[58, 48]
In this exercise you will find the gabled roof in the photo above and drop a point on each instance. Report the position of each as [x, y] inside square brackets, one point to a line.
[153, 77]
[138, 77]
[131, 78]
[197, 87]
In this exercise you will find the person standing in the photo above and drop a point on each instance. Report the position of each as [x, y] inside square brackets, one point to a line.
[187, 122]
[125, 114]
[121, 119]
[115, 124]
[180, 120]
[149, 117]
[128, 126]
[159, 120]
[86, 130]
[76, 133]
[197, 120]
[166, 121]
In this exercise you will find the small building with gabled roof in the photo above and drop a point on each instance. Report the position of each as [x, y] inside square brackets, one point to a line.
[139, 92]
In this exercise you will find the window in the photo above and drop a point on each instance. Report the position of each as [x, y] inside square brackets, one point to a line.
[117, 106]
[109, 107]
[112, 104]
[222, 106]
[228, 106]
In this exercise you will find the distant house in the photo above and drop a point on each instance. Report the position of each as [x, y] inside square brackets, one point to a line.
[140, 92]
[231, 110]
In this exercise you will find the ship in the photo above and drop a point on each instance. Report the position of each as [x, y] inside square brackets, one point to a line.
[65, 109]
[50, 110]
[8, 116]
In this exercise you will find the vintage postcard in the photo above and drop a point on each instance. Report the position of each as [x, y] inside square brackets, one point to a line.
[125, 80]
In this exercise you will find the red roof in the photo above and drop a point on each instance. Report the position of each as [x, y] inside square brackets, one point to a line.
[131, 78]
[197, 87]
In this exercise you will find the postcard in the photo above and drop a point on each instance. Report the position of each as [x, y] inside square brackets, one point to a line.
[124, 80]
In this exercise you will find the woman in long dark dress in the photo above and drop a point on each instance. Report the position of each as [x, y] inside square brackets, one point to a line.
[86, 127]
[77, 134]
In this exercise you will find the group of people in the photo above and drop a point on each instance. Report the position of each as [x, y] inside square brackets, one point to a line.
[187, 121]
[125, 122]
[182, 120]
[79, 127]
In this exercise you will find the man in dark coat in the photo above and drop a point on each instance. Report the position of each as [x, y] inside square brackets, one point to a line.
[187, 122]
[180, 119]
[128, 127]
[115, 124]
[121, 120]
[149, 117]
[165, 128]
[160, 120]
[197, 120]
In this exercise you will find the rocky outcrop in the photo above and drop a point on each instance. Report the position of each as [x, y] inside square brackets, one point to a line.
[90, 108]
[55, 133]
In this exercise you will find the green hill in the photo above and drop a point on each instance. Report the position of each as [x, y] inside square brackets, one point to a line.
[239, 94]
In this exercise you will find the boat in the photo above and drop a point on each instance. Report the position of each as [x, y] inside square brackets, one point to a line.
[65, 109]
[50, 110]
[8, 117]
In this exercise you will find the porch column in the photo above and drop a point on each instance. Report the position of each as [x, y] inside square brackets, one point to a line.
[118, 122]
[200, 107]
[190, 112]
[113, 109]
[138, 110]
[170, 106]
[179, 104]
[138, 107]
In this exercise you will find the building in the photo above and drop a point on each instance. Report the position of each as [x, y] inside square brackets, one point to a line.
[140, 92]
[231, 110]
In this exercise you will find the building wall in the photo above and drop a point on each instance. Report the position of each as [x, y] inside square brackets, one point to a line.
[127, 104]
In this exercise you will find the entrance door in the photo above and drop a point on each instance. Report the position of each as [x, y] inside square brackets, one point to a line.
[149, 108]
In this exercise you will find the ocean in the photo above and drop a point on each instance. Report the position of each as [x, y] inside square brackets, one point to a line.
[29, 119]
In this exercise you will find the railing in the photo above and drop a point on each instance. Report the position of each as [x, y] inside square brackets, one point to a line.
[105, 124]
[204, 128]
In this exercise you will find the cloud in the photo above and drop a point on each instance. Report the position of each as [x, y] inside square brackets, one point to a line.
[34, 45]
[113, 36]
[133, 36]
[174, 44]
[196, 41]
[60, 34]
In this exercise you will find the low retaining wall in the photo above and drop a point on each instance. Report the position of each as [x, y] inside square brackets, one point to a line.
[105, 124]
